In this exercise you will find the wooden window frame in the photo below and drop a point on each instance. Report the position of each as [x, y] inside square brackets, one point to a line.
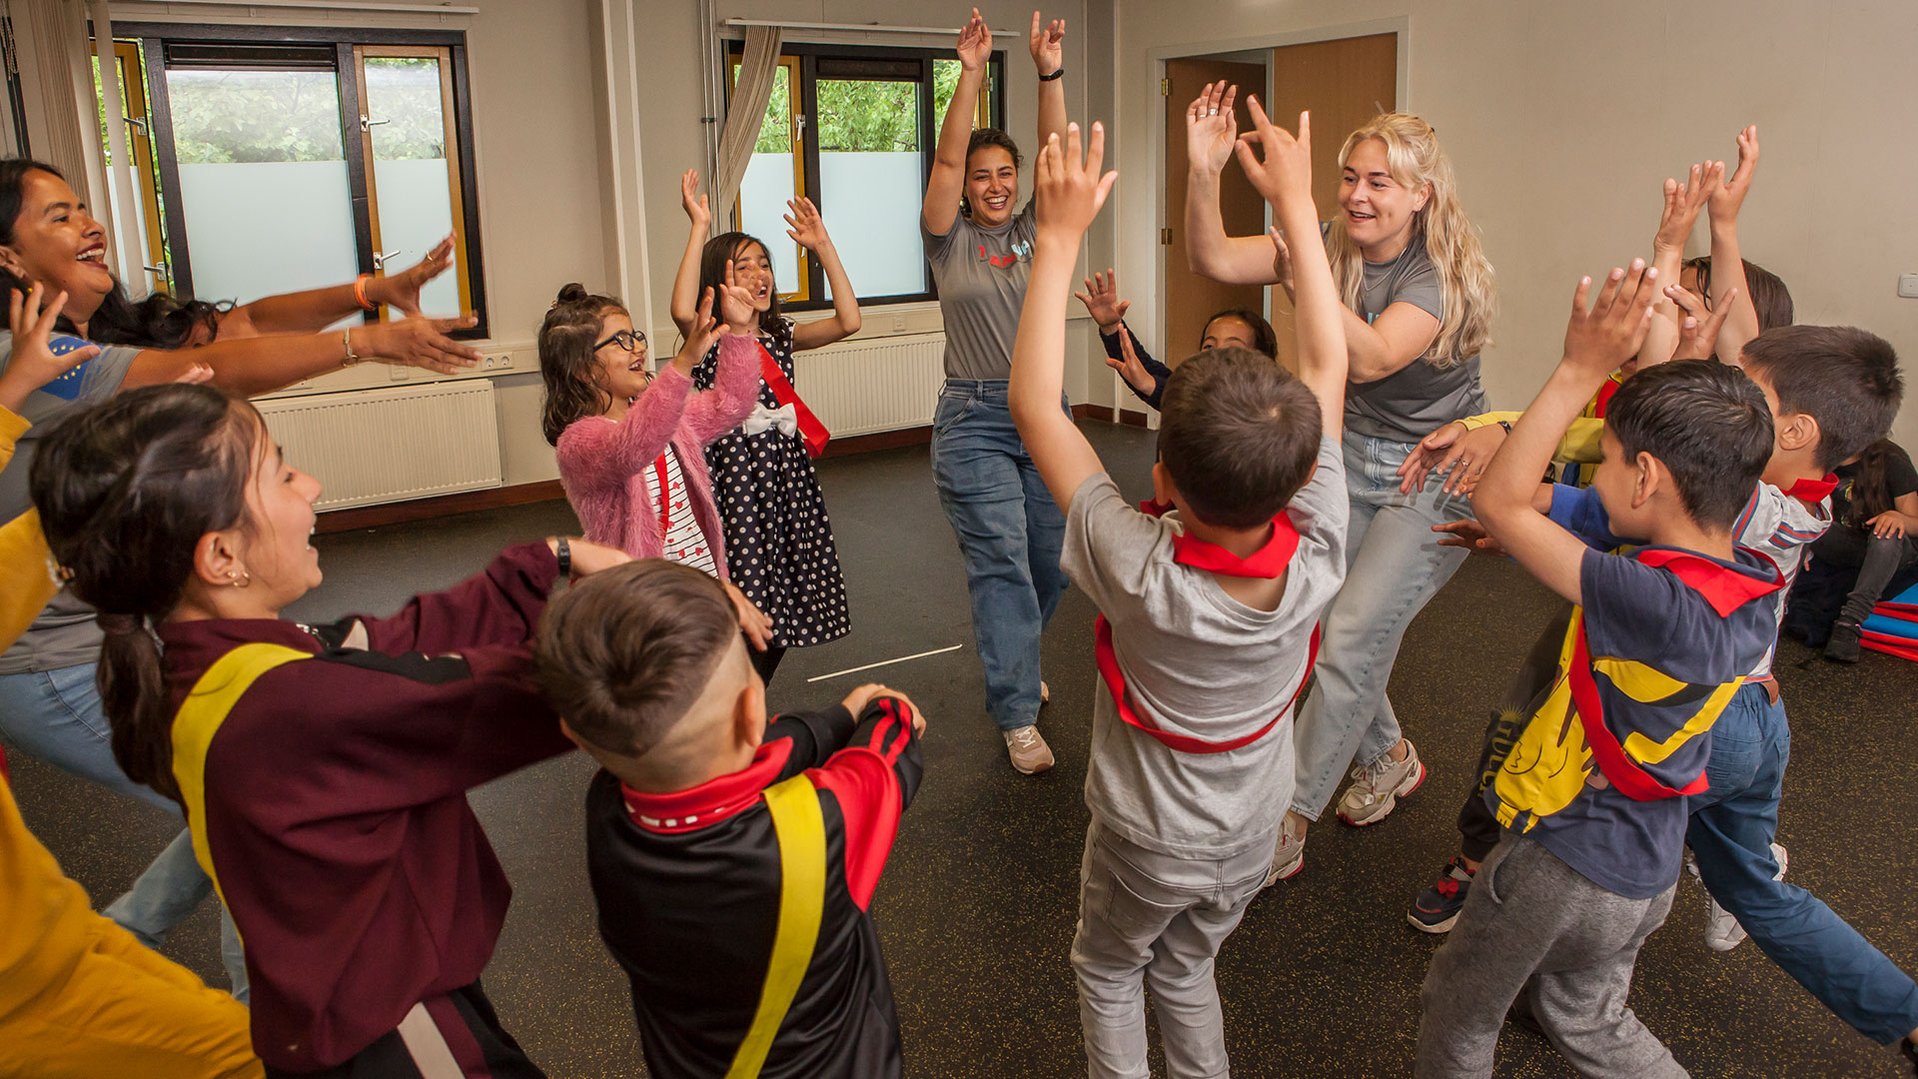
[805, 58]
[282, 47]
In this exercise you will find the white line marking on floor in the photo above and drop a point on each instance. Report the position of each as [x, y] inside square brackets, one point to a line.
[885, 663]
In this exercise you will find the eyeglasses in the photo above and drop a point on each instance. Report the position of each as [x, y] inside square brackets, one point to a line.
[630, 340]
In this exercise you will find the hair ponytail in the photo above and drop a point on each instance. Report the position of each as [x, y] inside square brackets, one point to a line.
[125, 491]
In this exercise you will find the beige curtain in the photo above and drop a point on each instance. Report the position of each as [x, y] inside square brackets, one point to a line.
[758, 66]
[124, 224]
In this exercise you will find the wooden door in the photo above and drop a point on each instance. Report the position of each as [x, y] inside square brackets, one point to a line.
[1190, 298]
[1344, 83]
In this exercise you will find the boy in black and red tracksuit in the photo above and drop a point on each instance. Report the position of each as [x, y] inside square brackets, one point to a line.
[694, 870]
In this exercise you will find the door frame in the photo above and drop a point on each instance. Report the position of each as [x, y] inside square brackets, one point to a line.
[1400, 25]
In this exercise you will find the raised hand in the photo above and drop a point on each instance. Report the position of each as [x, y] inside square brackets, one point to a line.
[693, 200]
[420, 342]
[1285, 173]
[1281, 258]
[402, 290]
[1211, 131]
[805, 226]
[1048, 54]
[735, 305]
[1102, 301]
[1683, 203]
[1069, 188]
[1600, 338]
[701, 336]
[1726, 198]
[1698, 331]
[33, 363]
[975, 43]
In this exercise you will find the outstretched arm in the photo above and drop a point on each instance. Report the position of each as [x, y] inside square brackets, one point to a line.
[1596, 342]
[1068, 193]
[808, 230]
[1728, 264]
[1048, 56]
[1210, 132]
[684, 305]
[315, 309]
[1683, 202]
[255, 365]
[1284, 177]
[948, 180]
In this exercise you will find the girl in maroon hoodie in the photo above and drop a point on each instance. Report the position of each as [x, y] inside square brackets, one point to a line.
[323, 769]
[631, 444]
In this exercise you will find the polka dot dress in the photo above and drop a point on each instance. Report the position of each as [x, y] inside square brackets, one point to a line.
[779, 546]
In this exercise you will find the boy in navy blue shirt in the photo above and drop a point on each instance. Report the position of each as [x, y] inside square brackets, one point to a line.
[1591, 794]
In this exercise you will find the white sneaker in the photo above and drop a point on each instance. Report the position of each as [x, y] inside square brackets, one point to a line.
[1722, 931]
[1027, 749]
[1377, 787]
[1288, 857]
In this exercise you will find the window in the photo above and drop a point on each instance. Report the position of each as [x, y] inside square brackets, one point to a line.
[275, 160]
[854, 130]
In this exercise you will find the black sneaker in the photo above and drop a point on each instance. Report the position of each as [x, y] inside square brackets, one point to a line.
[1843, 645]
[1438, 906]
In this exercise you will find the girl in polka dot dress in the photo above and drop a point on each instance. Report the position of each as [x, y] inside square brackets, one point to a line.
[778, 537]
[629, 442]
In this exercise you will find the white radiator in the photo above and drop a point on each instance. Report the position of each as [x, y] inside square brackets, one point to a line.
[862, 387]
[390, 445]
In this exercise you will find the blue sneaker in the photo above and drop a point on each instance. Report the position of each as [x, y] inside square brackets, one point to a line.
[1438, 906]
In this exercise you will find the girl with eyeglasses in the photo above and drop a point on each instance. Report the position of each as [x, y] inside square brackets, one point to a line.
[630, 443]
[770, 505]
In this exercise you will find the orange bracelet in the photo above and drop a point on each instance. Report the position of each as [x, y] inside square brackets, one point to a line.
[359, 292]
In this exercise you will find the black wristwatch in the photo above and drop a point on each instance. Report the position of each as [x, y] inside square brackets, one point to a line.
[1059, 74]
[564, 552]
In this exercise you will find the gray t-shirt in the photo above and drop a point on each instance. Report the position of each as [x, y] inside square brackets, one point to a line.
[1420, 398]
[1200, 663]
[981, 275]
[65, 633]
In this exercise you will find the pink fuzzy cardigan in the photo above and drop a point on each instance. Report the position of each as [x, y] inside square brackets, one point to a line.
[603, 463]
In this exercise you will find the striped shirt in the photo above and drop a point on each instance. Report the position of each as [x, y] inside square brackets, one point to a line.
[685, 542]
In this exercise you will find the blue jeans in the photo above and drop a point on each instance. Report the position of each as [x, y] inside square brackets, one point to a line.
[1010, 534]
[56, 716]
[1394, 566]
[1731, 833]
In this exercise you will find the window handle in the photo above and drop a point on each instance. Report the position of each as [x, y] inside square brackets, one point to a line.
[367, 123]
[380, 257]
[139, 122]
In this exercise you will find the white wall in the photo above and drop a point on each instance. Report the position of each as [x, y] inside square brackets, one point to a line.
[1562, 119]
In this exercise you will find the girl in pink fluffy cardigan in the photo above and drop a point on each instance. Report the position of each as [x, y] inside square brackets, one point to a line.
[631, 444]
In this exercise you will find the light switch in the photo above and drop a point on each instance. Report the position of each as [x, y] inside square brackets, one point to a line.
[1908, 286]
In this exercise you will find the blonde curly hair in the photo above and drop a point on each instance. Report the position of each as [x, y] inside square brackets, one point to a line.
[1466, 280]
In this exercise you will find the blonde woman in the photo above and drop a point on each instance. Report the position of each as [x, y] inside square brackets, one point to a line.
[1419, 301]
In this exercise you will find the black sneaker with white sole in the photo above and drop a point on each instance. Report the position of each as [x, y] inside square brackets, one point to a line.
[1437, 908]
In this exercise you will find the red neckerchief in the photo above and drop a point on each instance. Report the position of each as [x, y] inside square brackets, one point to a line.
[811, 430]
[1813, 491]
[1726, 590]
[1605, 394]
[1267, 563]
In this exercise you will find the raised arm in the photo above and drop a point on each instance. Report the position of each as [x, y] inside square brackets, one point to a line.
[1284, 178]
[808, 230]
[316, 309]
[1683, 203]
[1728, 264]
[1067, 193]
[684, 305]
[1048, 57]
[255, 365]
[1597, 341]
[948, 180]
[1210, 132]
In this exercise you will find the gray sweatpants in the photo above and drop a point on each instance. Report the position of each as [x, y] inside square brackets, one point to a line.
[1151, 917]
[1535, 925]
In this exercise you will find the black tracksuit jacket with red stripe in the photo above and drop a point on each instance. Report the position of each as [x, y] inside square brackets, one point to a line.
[688, 891]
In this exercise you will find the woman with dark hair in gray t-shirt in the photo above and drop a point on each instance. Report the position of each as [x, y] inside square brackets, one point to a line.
[1010, 532]
[1420, 299]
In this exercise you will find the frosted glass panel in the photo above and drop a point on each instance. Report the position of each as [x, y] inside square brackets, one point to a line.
[410, 175]
[872, 211]
[263, 182]
[762, 211]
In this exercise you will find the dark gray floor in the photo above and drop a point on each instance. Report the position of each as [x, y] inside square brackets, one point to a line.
[978, 903]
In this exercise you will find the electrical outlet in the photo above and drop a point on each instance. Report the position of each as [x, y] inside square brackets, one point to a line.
[1908, 286]
[505, 360]
[487, 363]
[898, 323]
